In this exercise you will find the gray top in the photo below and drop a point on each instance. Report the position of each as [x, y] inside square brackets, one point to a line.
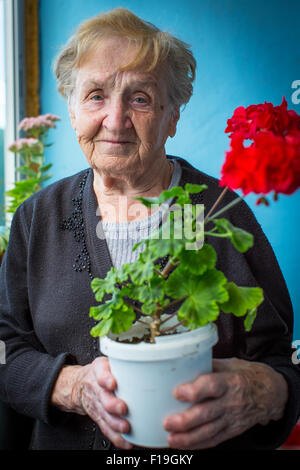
[121, 237]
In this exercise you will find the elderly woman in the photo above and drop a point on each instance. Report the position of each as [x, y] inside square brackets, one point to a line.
[125, 82]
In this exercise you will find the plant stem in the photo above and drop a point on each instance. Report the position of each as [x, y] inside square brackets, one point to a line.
[154, 326]
[216, 203]
[136, 308]
[169, 317]
[220, 235]
[225, 208]
[167, 268]
[144, 322]
[158, 272]
[173, 327]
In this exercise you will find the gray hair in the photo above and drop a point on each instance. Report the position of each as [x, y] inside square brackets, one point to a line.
[155, 48]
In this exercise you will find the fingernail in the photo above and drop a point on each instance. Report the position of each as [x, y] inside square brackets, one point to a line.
[110, 382]
[168, 427]
[123, 428]
[179, 394]
[120, 409]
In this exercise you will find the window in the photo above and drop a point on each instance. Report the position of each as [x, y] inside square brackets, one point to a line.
[11, 92]
[2, 111]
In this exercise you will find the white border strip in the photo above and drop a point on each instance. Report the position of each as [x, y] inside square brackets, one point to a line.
[12, 89]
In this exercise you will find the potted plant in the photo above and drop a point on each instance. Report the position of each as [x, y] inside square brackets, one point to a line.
[157, 325]
[30, 148]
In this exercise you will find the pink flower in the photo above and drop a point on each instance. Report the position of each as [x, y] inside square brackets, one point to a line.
[44, 121]
[23, 144]
[52, 117]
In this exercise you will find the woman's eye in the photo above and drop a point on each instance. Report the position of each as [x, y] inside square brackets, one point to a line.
[96, 98]
[140, 100]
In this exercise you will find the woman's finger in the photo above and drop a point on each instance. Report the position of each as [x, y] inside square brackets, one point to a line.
[204, 387]
[117, 424]
[113, 436]
[196, 415]
[112, 404]
[103, 375]
[202, 437]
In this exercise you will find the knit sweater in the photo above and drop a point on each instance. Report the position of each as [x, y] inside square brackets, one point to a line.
[55, 251]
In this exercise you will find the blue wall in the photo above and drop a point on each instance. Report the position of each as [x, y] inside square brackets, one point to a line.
[247, 52]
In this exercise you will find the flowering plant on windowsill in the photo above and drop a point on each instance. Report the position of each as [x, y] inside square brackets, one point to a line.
[270, 163]
[34, 172]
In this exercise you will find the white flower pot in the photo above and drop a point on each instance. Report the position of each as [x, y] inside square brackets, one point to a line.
[147, 374]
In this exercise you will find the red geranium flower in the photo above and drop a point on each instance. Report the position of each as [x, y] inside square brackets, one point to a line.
[265, 116]
[272, 161]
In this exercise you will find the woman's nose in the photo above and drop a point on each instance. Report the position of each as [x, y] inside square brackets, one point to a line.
[117, 117]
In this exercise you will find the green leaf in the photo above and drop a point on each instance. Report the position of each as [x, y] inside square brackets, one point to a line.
[44, 178]
[177, 191]
[114, 315]
[142, 242]
[24, 186]
[24, 170]
[4, 237]
[141, 270]
[249, 319]
[45, 168]
[102, 311]
[100, 287]
[240, 239]
[163, 247]
[204, 292]
[123, 319]
[197, 314]
[148, 309]
[148, 201]
[123, 273]
[198, 261]
[242, 299]
[194, 188]
[181, 195]
[102, 328]
[149, 293]
[105, 310]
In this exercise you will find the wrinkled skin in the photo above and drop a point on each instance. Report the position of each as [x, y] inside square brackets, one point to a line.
[122, 120]
[236, 396]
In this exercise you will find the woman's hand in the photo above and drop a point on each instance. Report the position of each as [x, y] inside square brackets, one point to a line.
[89, 390]
[236, 396]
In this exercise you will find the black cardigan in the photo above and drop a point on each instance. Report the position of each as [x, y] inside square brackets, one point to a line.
[45, 296]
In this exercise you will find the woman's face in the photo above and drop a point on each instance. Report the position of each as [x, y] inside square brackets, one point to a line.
[122, 119]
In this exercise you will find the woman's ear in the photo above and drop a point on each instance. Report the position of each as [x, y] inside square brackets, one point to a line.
[175, 115]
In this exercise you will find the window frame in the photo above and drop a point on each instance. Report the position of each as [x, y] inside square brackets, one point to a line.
[14, 86]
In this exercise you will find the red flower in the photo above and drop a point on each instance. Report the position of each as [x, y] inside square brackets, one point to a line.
[272, 161]
[265, 116]
[239, 122]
